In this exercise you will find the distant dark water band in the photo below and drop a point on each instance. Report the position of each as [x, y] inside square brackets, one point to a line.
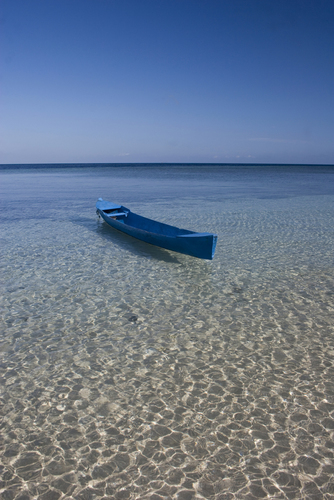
[18, 166]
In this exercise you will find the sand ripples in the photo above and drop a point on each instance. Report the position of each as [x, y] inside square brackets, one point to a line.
[129, 372]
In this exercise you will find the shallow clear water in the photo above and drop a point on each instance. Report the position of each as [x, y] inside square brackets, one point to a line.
[128, 371]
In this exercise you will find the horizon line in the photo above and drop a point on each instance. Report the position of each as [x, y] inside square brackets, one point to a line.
[83, 164]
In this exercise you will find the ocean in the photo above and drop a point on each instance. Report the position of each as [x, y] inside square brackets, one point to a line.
[132, 372]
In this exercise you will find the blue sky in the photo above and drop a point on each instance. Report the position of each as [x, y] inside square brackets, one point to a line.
[167, 81]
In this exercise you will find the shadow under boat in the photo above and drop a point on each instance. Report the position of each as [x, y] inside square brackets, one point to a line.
[125, 241]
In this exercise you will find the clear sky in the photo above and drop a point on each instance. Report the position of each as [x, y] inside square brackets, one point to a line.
[167, 81]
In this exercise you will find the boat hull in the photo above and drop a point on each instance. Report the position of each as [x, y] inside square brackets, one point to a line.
[200, 245]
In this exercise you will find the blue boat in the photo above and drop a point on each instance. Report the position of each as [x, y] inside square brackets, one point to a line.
[201, 245]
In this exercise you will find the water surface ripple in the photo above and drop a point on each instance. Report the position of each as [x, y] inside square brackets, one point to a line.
[131, 372]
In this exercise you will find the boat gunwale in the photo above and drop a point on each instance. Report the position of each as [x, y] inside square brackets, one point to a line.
[183, 232]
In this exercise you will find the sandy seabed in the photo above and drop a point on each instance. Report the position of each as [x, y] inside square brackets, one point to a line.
[130, 372]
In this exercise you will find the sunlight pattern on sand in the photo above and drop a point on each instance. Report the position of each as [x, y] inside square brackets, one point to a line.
[128, 371]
